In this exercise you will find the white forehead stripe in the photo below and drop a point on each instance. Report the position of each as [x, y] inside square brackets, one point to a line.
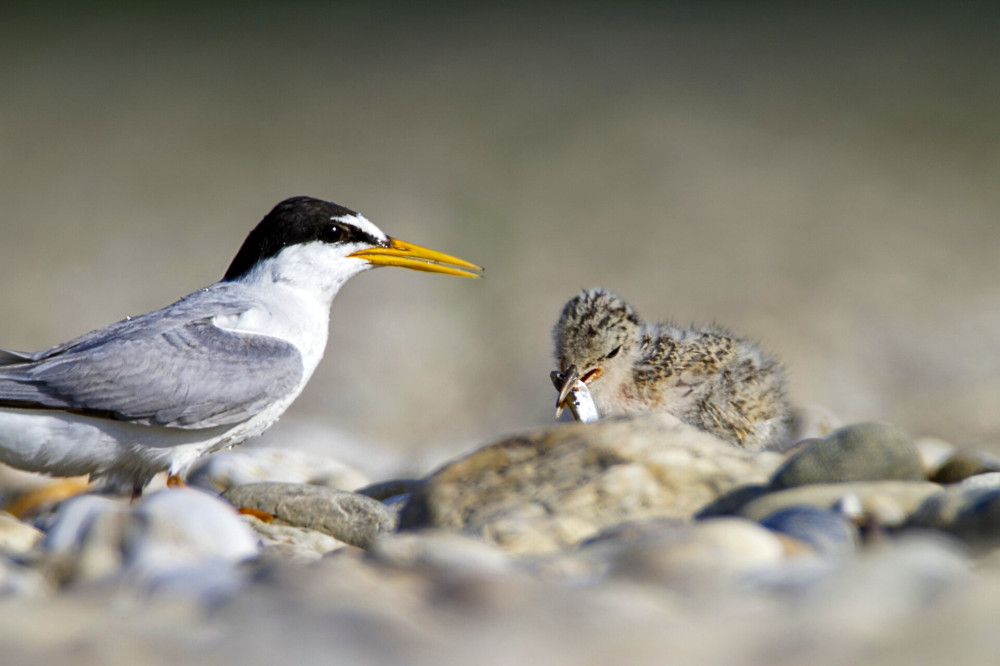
[362, 223]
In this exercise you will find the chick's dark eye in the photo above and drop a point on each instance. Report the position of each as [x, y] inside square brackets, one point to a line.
[335, 233]
[614, 352]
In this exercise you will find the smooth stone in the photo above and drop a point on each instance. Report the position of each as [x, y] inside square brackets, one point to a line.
[827, 532]
[295, 543]
[860, 452]
[933, 453]
[731, 503]
[98, 538]
[242, 466]
[554, 487]
[885, 588]
[211, 582]
[17, 537]
[87, 531]
[700, 554]
[987, 480]
[969, 511]
[20, 580]
[184, 525]
[346, 516]
[886, 503]
[437, 550]
[962, 465]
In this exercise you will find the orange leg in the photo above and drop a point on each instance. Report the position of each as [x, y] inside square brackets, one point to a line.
[174, 481]
[32, 500]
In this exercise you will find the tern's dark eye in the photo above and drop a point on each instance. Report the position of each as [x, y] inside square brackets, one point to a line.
[335, 233]
[614, 352]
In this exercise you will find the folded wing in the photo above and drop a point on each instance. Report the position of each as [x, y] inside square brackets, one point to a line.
[157, 369]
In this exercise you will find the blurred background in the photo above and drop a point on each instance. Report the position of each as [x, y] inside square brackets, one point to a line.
[826, 181]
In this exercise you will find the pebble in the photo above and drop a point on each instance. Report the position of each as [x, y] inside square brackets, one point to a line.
[885, 590]
[969, 510]
[933, 453]
[828, 533]
[579, 541]
[170, 535]
[221, 471]
[860, 452]
[691, 555]
[346, 516]
[88, 531]
[298, 544]
[961, 465]
[887, 503]
[451, 553]
[550, 489]
[15, 536]
[183, 525]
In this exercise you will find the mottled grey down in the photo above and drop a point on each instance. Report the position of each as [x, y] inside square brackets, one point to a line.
[172, 367]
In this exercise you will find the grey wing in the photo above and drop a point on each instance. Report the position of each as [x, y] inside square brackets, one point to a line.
[10, 357]
[186, 374]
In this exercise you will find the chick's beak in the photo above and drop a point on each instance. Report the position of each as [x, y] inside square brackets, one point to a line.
[407, 255]
[564, 381]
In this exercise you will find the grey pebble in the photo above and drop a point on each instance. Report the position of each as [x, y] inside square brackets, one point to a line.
[860, 452]
[962, 465]
[347, 516]
[17, 536]
[969, 511]
[252, 465]
[887, 503]
[827, 532]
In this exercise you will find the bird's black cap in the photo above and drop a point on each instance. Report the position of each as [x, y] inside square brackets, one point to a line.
[292, 222]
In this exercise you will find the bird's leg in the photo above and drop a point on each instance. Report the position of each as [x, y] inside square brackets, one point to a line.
[136, 494]
[31, 501]
[175, 481]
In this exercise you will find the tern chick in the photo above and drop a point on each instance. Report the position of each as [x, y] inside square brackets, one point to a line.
[152, 393]
[706, 377]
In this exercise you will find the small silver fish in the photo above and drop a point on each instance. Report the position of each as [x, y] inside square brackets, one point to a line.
[575, 394]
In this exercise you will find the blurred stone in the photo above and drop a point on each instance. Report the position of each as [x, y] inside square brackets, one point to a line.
[933, 453]
[987, 480]
[346, 516]
[860, 452]
[15, 536]
[701, 553]
[828, 533]
[441, 551]
[730, 503]
[961, 465]
[242, 466]
[888, 586]
[17, 580]
[183, 525]
[295, 543]
[552, 488]
[394, 488]
[969, 511]
[887, 503]
[170, 534]
[88, 531]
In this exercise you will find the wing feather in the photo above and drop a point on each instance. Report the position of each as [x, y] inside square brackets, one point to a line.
[168, 368]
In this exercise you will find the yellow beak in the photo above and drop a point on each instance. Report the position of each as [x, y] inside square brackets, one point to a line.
[407, 255]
